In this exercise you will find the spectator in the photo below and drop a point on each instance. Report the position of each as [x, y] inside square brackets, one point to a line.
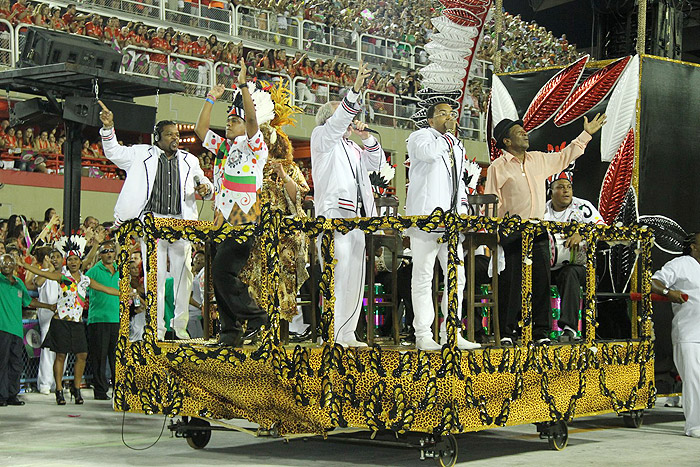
[42, 15]
[56, 21]
[13, 296]
[93, 28]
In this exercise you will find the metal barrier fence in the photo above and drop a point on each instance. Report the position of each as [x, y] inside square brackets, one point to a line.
[200, 74]
[197, 74]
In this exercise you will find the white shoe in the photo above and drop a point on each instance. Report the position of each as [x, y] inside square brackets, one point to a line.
[694, 433]
[426, 343]
[182, 334]
[462, 343]
[45, 391]
[351, 342]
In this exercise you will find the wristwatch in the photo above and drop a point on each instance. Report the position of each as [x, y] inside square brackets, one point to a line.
[665, 291]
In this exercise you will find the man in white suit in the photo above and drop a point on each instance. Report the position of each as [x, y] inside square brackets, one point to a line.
[340, 170]
[436, 177]
[161, 179]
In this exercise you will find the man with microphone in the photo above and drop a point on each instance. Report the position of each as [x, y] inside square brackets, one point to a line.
[436, 175]
[340, 171]
[161, 179]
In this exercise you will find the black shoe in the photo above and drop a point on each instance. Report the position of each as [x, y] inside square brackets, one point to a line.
[102, 397]
[303, 337]
[568, 336]
[60, 400]
[14, 401]
[75, 392]
[3, 403]
[229, 339]
[506, 341]
[253, 336]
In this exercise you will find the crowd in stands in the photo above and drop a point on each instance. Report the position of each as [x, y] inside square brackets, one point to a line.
[526, 45]
[400, 21]
[35, 148]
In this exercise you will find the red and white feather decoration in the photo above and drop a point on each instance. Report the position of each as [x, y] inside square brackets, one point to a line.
[590, 92]
[617, 181]
[553, 94]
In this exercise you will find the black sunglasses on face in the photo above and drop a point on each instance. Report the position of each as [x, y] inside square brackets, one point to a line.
[106, 250]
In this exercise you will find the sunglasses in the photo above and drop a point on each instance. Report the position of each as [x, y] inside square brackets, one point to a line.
[106, 250]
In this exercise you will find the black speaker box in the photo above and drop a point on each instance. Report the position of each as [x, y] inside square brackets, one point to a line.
[127, 116]
[45, 47]
[28, 111]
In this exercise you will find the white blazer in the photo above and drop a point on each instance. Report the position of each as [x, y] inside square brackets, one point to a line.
[140, 162]
[430, 173]
[338, 165]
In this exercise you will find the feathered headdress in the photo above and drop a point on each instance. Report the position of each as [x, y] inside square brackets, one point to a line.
[471, 176]
[71, 246]
[277, 139]
[264, 107]
[380, 179]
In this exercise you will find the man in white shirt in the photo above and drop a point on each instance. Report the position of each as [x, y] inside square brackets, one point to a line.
[161, 179]
[568, 270]
[438, 165]
[340, 171]
[677, 277]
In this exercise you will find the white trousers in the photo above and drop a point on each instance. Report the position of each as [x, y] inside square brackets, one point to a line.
[686, 356]
[44, 379]
[349, 281]
[425, 249]
[179, 254]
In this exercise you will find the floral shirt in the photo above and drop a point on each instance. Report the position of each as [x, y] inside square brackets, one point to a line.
[71, 299]
[238, 175]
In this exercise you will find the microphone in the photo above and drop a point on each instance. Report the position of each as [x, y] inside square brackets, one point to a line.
[369, 130]
[197, 181]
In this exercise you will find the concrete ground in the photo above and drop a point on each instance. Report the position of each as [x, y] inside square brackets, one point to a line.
[44, 434]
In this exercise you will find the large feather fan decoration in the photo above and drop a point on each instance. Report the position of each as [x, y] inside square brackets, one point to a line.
[668, 234]
[552, 95]
[617, 180]
[623, 257]
[501, 103]
[590, 92]
[621, 111]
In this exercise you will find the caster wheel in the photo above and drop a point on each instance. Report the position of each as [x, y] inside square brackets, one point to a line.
[633, 419]
[558, 436]
[448, 456]
[198, 439]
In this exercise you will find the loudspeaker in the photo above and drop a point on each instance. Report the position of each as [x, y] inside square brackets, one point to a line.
[25, 112]
[45, 47]
[127, 116]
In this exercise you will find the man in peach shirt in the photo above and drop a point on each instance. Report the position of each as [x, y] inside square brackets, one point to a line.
[518, 179]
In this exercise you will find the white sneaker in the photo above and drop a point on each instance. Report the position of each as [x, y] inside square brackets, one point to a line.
[462, 343]
[426, 343]
[45, 391]
[694, 433]
[351, 342]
